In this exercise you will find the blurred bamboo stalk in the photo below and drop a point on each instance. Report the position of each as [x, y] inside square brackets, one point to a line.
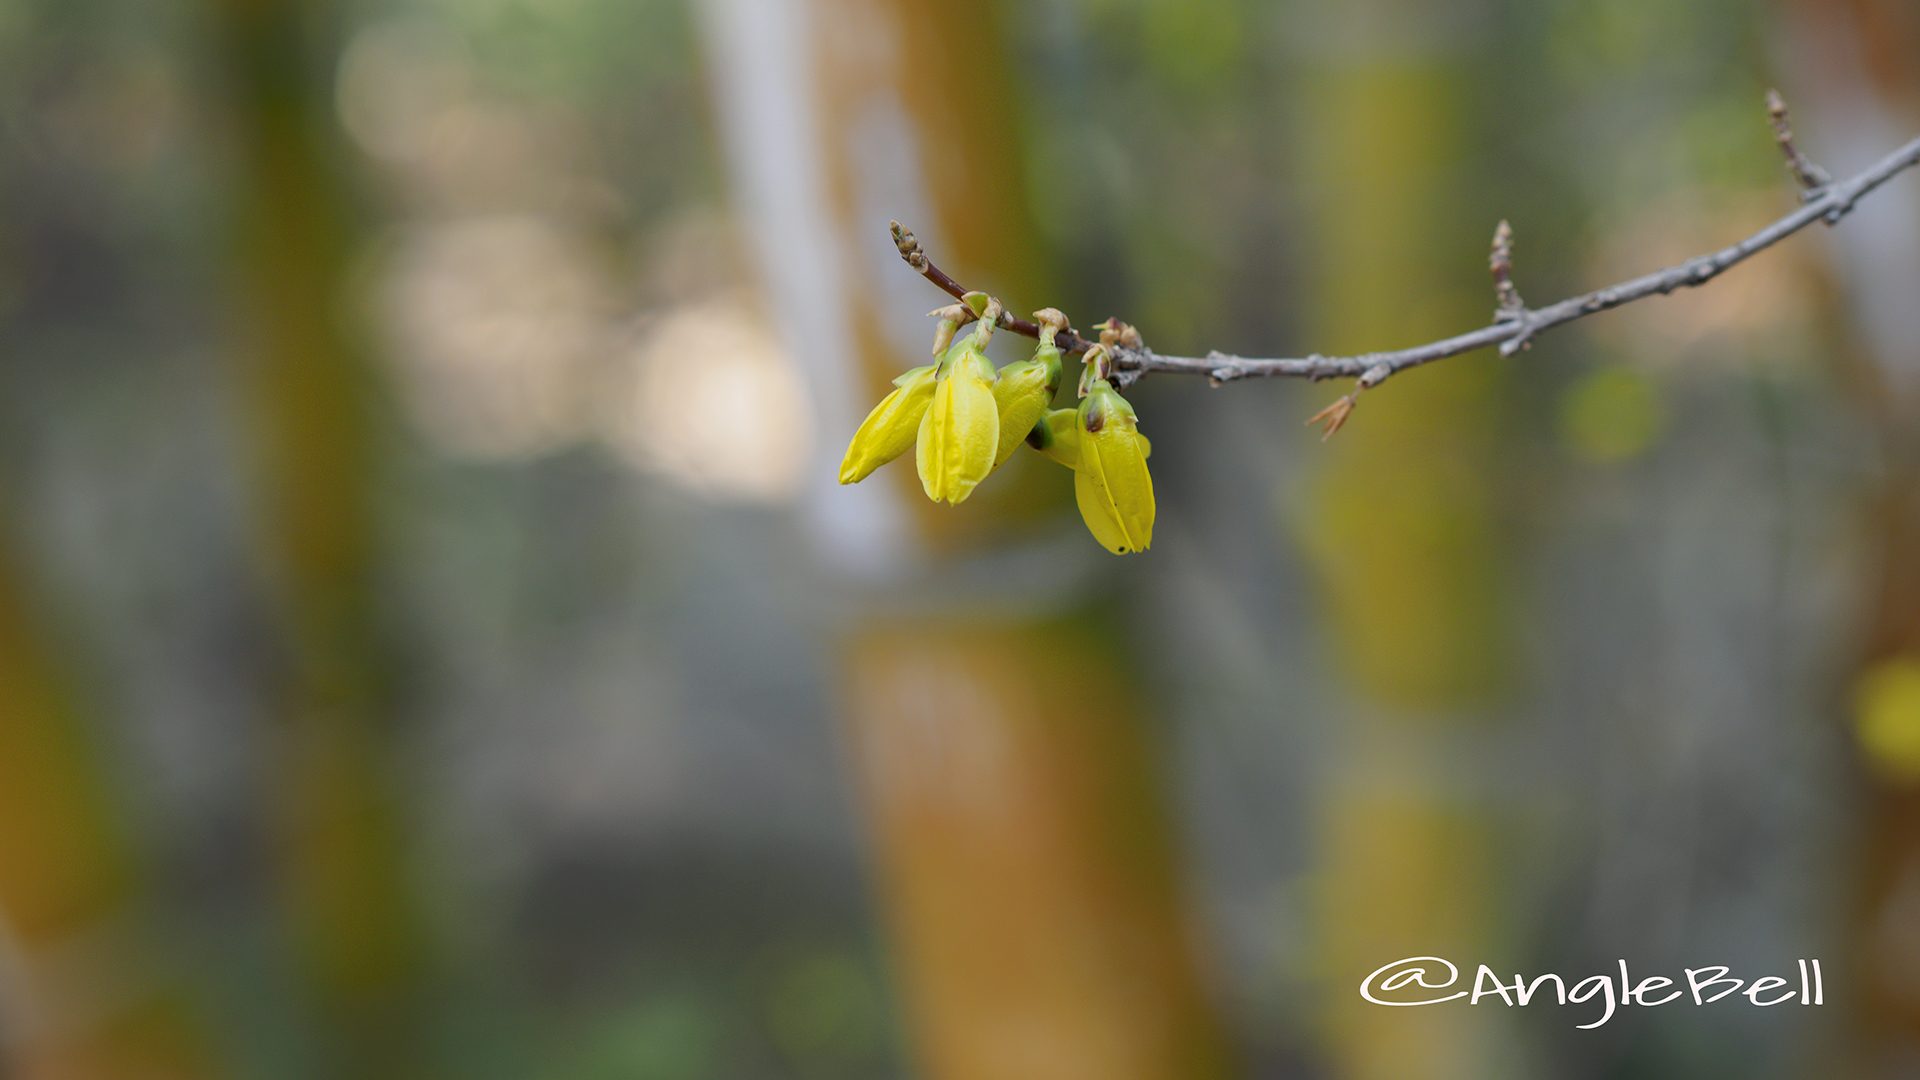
[1023, 854]
[312, 402]
[1400, 528]
[102, 1000]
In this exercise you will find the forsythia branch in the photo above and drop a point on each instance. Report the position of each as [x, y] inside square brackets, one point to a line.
[1514, 325]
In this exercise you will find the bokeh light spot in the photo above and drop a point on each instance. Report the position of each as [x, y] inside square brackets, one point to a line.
[712, 401]
[1611, 415]
[1887, 717]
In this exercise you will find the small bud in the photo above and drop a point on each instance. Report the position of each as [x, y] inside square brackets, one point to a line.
[1051, 321]
[1116, 334]
[952, 318]
[943, 332]
[1096, 366]
[989, 311]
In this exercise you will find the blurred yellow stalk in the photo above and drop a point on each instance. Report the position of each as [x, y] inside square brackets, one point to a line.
[311, 401]
[1024, 856]
[99, 997]
[1399, 525]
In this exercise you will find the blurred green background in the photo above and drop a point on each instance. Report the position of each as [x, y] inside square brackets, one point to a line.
[432, 643]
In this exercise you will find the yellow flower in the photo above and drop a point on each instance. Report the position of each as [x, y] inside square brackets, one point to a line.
[1057, 438]
[891, 427]
[1022, 393]
[1110, 479]
[961, 429]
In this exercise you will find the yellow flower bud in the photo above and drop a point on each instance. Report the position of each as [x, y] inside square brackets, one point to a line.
[1023, 392]
[1057, 437]
[961, 429]
[890, 428]
[1110, 480]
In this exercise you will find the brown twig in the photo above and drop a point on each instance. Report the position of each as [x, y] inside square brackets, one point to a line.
[916, 256]
[1506, 295]
[1812, 177]
[1500, 262]
[1514, 326]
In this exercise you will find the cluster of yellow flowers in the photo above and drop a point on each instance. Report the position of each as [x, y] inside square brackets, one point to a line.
[964, 419]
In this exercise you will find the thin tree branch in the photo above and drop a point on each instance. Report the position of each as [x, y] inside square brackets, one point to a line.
[1812, 177]
[1515, 325]
[910, 250]
[1831, 205]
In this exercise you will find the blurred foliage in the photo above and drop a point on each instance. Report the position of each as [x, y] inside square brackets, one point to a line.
[1611, 414]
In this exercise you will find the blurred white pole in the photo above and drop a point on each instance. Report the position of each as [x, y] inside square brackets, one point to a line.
[764, 87]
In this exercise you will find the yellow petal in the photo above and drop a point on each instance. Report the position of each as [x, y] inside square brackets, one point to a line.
[915, 375]
[1022, 394]
[1056, 437]
[1111, 484]
[1115, 495]
[959, 433]
[890, 428]
[1096, 509]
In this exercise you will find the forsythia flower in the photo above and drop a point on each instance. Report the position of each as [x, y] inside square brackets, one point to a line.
[1057, 438]
[890, 429]
[1110, 479]
[1023, 392]
[965, 420]
[960, 432]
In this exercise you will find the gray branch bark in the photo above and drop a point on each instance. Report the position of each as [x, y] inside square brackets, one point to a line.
[1514, 329]
[1514, 325]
